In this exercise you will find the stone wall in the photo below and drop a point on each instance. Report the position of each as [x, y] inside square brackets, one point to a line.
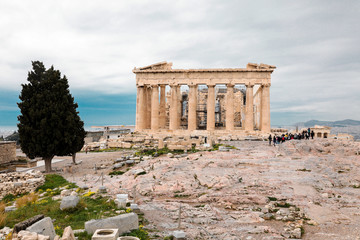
[20, 182]
[7, 152]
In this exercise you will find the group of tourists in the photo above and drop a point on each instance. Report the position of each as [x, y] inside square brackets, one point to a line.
[306, 134]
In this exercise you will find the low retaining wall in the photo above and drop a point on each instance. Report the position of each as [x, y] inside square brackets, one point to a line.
[7, 152]
[20, 182]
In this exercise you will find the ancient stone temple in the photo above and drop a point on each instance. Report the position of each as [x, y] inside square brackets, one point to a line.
[224, 101]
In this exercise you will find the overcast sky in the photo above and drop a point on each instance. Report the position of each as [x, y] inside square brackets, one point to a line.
[96, 44]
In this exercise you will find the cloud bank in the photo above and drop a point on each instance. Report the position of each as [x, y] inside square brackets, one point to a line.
[315, 46]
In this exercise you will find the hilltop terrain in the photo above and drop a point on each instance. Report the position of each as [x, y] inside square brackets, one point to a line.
[308, 189]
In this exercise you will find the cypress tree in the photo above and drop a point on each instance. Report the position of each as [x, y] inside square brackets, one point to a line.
[49, 124]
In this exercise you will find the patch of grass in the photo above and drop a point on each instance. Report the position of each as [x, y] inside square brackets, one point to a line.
[140, 233]
[199, 206]
[2, 219]
[83, 236]
[216, 147]
[181, 195]
[169, 237]
[88, 208]
[272, 198]
[356, 186]
[116, 173]
[153, 152]
[53, 181]
[303, 170]
[9, 198]
[141, 173]
[109, 150]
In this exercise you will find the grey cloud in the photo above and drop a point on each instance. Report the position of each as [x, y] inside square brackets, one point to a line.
[314, 44]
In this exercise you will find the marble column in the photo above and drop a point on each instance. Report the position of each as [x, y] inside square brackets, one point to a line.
[179, 106]
[249, 113]
[137, 108]
[162, 113]
[230, 107]
[192, 107]
[141, 110]
[173, 108]
[155, 107]
[265, 108]
[210, 123]
[148, 107]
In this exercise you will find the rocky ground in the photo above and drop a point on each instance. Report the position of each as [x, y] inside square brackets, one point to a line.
[298, 189]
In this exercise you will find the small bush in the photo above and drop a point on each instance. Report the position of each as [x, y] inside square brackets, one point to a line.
[283, 205]
[272, 198]
[304, 170]
[27, 199]
[115, 173]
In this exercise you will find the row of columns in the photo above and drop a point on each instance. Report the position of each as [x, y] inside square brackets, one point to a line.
[150, 113]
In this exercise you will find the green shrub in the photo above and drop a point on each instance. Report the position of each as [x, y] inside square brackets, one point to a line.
[115, 173]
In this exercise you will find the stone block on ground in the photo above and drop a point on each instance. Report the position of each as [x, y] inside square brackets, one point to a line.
[118, 165]
[65, 193]
[68, 234]
[102, 189]
[69, 202]
[179, 235]
[10, 208]
[123, 222]
[44, 227]
[106, 234]
[26, 235]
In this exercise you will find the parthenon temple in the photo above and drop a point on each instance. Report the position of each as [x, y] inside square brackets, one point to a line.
[224, 101]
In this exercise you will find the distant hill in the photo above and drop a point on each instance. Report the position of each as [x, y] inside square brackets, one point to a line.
[342, 123]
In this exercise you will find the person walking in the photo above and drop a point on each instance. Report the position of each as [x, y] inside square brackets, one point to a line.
[270, 138]
[312, 134]
[274, 140]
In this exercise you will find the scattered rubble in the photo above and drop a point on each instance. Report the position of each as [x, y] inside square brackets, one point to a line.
[20, 182]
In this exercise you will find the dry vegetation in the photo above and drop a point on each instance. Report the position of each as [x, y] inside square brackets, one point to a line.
[27, 199]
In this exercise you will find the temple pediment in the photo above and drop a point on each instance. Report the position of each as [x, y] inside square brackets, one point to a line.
[259, 66]
[157, 66]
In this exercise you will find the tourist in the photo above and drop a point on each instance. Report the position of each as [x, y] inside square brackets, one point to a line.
[274, 140]
[270, 138]
[312, 134]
